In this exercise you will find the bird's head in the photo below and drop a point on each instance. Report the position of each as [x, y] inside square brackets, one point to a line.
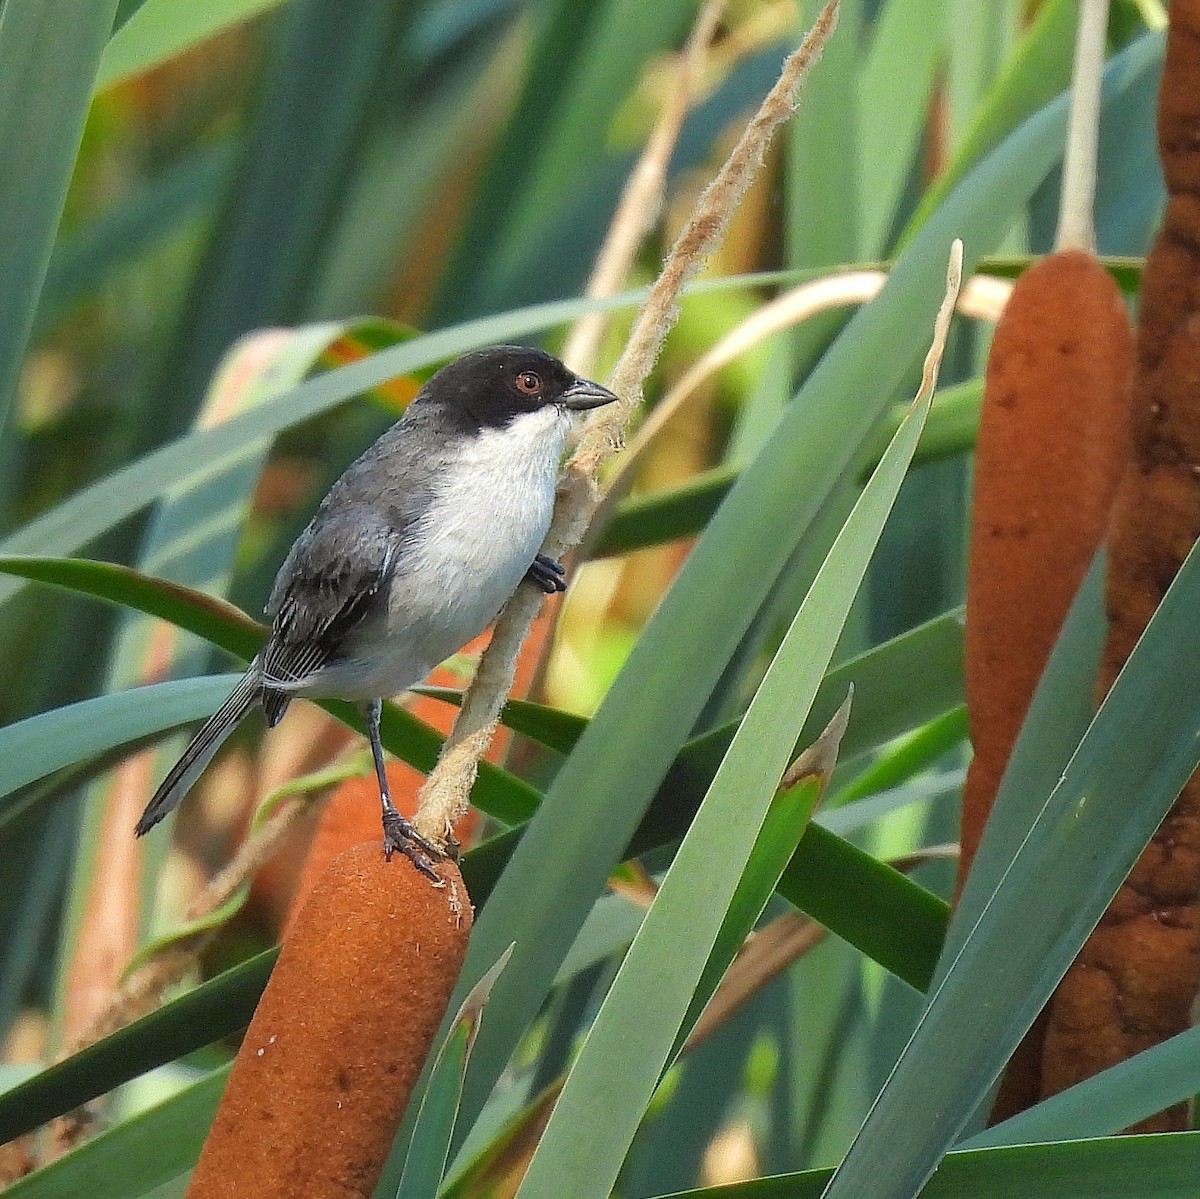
[497, 384]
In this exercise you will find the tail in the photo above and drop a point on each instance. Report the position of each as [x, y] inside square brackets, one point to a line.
[200, 751]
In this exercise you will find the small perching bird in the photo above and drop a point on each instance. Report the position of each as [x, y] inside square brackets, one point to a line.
[411, 554]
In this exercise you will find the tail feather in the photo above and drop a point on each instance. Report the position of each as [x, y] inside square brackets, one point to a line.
[200, 751]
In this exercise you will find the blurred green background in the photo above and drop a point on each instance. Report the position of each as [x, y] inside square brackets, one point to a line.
[177, 176]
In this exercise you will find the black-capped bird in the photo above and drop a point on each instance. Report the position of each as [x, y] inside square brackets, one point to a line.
[411, 554]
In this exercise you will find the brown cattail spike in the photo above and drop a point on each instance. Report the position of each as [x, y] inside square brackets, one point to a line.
[340, 1035]
[1137, 977]
[1052, 446]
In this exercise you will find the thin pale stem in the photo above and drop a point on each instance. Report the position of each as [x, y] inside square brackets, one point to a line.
[983, 298]
[1076, 226]
[445, 794]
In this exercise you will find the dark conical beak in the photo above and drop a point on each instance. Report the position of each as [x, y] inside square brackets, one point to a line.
[584, 394]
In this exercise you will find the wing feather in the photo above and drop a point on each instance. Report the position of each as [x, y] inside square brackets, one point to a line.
[334, 579]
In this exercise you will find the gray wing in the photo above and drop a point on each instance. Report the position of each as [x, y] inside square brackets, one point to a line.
[330, 582]
[332, 578]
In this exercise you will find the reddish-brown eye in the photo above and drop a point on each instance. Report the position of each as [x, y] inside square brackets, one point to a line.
[529, 382]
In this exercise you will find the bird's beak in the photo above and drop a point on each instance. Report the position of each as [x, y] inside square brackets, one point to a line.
[584, 394]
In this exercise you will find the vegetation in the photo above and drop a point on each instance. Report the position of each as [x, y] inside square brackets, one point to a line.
[179, 177]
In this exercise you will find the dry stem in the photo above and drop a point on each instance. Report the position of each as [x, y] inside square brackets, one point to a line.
[1076, 228]
[445, 794]
[983, 298]
[640, 202]
[941, 324]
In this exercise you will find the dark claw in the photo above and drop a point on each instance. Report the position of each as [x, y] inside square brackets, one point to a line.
[399, 834]
[547, 574]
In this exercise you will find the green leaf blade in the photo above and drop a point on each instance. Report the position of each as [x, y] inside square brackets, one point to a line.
[42, 53]
[1087, 836]
[629, 1043]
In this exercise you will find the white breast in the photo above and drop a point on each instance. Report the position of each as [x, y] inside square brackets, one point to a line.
[489, 516]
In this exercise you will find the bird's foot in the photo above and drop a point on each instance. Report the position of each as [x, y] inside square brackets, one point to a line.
[547, 574]
[399, 834]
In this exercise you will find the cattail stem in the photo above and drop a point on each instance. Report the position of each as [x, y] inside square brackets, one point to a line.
[445, 795]
[1076, 225]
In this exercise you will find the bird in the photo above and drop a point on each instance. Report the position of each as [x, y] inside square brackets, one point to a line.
[411, 554]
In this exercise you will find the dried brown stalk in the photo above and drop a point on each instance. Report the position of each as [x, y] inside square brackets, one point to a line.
[445, 794]
[640, 203]
[766, 954]
[983, 298]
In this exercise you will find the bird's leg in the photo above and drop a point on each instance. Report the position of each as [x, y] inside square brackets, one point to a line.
[547, 574]
[398, 832]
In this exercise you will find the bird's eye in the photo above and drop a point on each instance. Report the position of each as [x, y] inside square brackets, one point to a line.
[529, 382]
